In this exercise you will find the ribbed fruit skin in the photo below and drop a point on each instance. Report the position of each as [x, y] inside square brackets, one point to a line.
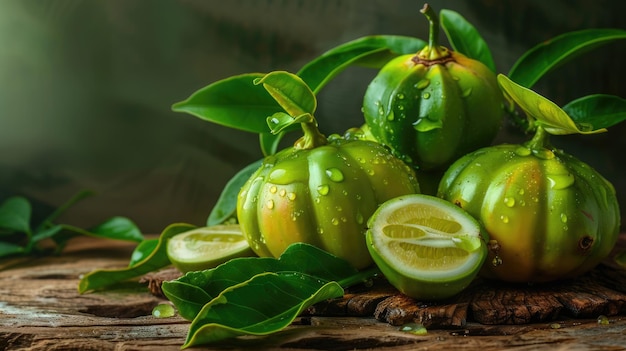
[321, 196]
[429, 113]
[551, 215]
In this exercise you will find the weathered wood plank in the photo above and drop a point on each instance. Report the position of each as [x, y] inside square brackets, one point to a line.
[40, 309]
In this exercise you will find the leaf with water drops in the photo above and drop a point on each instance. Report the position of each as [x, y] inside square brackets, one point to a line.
[541, 110]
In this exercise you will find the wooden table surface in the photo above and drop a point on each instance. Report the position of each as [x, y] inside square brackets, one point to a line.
[40, 309]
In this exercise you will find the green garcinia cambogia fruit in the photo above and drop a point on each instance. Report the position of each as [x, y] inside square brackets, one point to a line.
[549, 215]
[432, 107]
[321, 191]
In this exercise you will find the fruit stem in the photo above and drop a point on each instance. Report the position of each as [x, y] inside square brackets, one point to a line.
[312, 137]
[540, 140]
[433, 51]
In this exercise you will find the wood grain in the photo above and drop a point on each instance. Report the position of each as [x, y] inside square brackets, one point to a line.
[40, 309]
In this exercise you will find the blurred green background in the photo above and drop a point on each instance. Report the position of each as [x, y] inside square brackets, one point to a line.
[87, 87]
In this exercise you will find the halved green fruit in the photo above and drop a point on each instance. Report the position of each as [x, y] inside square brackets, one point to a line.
[207, 247]
[425, 246]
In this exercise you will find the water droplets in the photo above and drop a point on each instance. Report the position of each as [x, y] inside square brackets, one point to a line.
[467, 92]
[422, 84]
[334, 174]
[414, 328]
[323, 189]
[163, 310]
[560, 181]
[426, 96]
[603, 320]
[509, 201]
[269, 204]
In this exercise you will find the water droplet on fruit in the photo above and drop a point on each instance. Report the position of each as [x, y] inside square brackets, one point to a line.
[467, 92]
[269, 204]
[563, 218]
[414, 328]
[334, 221]
[560, 181]
[544, 154]
[273, 189]
[522, 151]
[504, 219]
[291, 196]
[163, 310]
[335, 174]
[323, 189]
[400, 96]
[282, 192]
[390, 116]
[426, 95]
[422, 83]
[359, 218]
[509, 201]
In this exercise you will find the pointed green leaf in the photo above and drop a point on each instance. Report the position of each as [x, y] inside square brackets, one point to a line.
[290, 91]
[543, 111]
[372, 51]
[262, 305]
[598, 110]
[142, 251]
[465, 38]
[544, 57]
[157, 259]
[15, 214]
[183, 292]
[119, 228]
[7, 249]
[233, 102]
[47, 232]
[226, 205]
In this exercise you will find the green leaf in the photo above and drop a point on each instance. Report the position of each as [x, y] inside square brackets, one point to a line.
[15, 214]
[543, 111]
[157, 259]
[47, 232]
[262, 305]
[544, 57]
[142, 251]
[226, 205]
[598, 110]
[233, 102]
[195, 289]
[119, 228]
[7, 249]
[464, 38]
[372, 51]
[290, 91]
[280, 121]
